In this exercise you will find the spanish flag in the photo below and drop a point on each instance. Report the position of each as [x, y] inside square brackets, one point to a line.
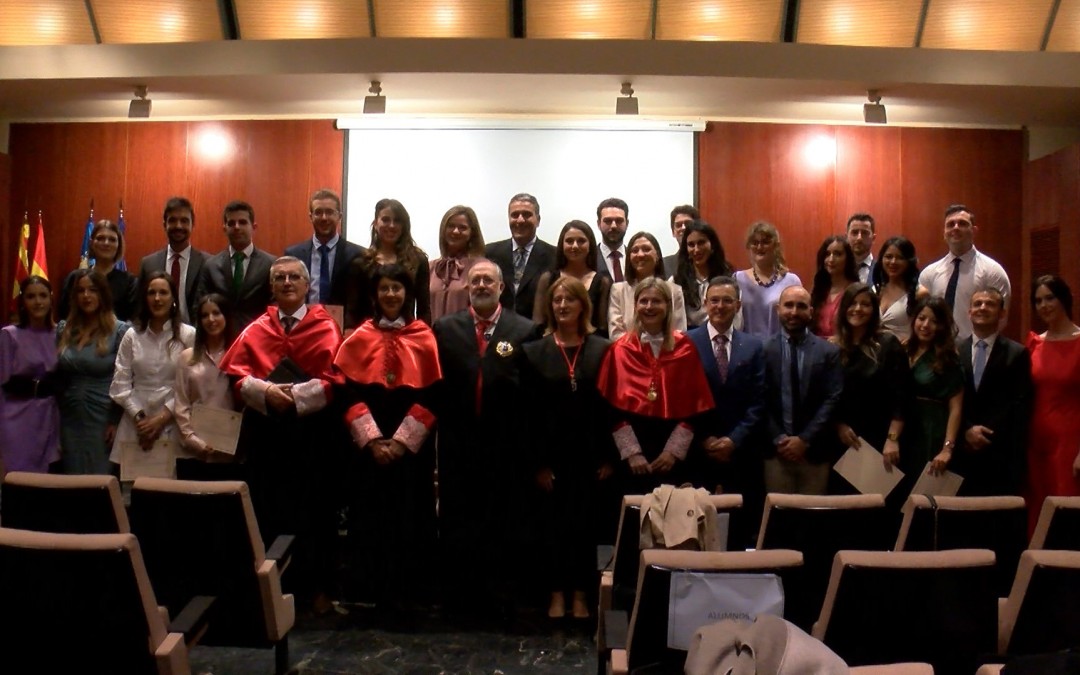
[38, 265]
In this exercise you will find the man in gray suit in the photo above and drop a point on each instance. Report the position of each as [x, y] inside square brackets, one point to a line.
[180, 259]
[326, 254]
[241, 272]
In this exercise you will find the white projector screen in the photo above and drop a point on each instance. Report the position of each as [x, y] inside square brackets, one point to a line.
[569, 170]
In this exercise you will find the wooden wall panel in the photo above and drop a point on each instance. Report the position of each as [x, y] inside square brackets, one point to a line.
[215, 180]
[99, 177]
[327, 141]
[9, 233]
[279, 152]
[155, 172]
[868, 177]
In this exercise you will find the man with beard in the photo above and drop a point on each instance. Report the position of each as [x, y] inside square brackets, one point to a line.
[860, 234]
[803, 383]
[179, 258]
[483, 474]
[612, 218]
[681, 216]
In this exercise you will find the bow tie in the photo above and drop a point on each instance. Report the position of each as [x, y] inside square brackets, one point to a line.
[396, 323]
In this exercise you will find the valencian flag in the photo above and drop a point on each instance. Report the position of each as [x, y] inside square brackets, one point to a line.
[120, 264]
[86, 260]
[22, 263]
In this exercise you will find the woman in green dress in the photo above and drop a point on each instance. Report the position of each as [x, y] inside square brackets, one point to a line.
[933, 423]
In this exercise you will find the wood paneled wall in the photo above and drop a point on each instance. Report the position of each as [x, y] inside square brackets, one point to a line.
[904, 177]
[274, 165]
[1052, 200]
[9, 235]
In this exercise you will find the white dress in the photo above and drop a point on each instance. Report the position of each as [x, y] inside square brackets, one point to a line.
[145, 379]
[895, 319]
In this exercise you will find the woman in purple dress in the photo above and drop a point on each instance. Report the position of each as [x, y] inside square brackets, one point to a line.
[29, 418]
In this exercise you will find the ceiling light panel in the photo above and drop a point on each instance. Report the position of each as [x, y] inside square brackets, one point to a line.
[589, 19]
[1004, 25]
[442, 18]
[727, 20]
[127, 22]
[301, 19]
[44, 22]
[867, 23]
[1065, 33]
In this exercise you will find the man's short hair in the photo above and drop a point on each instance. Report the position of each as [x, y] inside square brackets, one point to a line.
[175, 203]
[861, 217]
[957, 208]
[992, 290]
[324, 193]
[684, 210]
[528, 198]
[237, 205]
[287, 260]
[613, 203]
[725, 280]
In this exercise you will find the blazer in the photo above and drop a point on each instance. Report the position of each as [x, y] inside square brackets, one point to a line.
[254, 296]
[740, 399]
[1002, 403]
[345, 254]
[822, 382]
[157, 262]
[542, 259]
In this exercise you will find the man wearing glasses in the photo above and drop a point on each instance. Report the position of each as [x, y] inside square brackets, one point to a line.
[327, 254]
[241, 272]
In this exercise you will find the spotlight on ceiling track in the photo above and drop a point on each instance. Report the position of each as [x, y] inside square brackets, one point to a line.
[874, 111]
[376, 103]
[139, 108]
[628, 104]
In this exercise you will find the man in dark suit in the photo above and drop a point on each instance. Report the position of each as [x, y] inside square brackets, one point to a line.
[326, 254]
[612, 219]
[483, 472]
[241, 272]
[179, 258]
[803, 383]
[997, 402]
[725, 453]
[522, 258]
[860, 234]
[681, 216]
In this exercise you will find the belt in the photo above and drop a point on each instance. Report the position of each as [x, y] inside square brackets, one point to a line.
[23, 386]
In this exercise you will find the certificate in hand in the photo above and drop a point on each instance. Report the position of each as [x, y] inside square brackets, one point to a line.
[157, 462]
[865, 469]
[217, 427]
[946, 484]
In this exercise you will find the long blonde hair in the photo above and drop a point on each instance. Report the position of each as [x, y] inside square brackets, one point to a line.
[79, 330]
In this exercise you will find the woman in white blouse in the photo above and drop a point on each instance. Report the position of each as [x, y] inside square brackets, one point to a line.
[198, 380]
[145, 373]
[643, 260]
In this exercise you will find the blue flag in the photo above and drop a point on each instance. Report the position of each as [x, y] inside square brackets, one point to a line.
[120, 264]
[86, 260]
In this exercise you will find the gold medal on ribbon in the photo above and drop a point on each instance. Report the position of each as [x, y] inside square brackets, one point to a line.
[652, 393]
[390, 378]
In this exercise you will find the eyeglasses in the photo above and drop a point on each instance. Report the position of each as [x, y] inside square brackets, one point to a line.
[282, 278]
[324, 213]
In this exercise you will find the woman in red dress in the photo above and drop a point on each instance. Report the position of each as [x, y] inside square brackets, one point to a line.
[1054, 446]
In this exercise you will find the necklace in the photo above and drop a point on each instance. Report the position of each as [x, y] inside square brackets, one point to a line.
[772, 280]
[570, 365]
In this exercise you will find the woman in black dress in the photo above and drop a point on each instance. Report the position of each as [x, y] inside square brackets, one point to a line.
[575, 257]
[572, 450]
[107, 250]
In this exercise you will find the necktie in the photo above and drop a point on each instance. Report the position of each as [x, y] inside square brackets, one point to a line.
[616, 266]
[175, 271]
[950, 291]
[519, 264]
[720, 349]
[482, 327]
[796, 390]
[237, 271]
[288, 322]
[324, 274]
[980, 361]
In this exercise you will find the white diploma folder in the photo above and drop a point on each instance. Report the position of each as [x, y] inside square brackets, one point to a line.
[157, 462]
[217, 427]
[946, 484]
[865, 469]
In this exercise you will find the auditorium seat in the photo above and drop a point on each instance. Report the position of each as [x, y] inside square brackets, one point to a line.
[618, 582]
[943, 523]
[1058, 528]
[63, 504]
[82, 603]
[819, 526]
[1042, 612]
[645, 644]
[937, 607]
[201, 538]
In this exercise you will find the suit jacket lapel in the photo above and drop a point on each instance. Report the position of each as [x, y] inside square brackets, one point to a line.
[708, 356]
[533, 266]
[965, 362]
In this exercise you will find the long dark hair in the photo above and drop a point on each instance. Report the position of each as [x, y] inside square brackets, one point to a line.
[629, 273]
[822, 279]
[408, 253]
[879, 278]
[142, 321]
[1058, 288]
[944, 340]
[199, 348]
[24, 314]
[394, 272]
[844, 338]
[685, 275]
[560, 254]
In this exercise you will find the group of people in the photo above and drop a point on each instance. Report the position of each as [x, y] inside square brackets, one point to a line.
[499, 400]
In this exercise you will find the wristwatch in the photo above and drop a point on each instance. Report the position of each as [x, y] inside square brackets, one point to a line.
[893, 436]
[950, 444]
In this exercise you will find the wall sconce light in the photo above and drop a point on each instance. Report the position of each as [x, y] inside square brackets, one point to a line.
[139, 108]
[376, 103]
[627, 105]
[874, 111]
